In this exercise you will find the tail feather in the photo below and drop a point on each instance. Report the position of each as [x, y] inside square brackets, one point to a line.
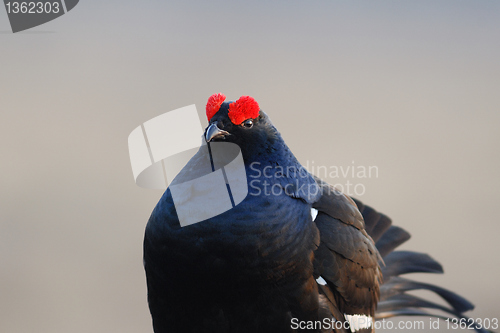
[394, 301]
[404, 262]
[404, 301]
[423, 313]
[376, 224]
[398, 285]
[406, 312]
[392, 238]
[409, 305]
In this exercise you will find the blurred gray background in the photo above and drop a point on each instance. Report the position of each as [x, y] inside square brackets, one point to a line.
[409, 87]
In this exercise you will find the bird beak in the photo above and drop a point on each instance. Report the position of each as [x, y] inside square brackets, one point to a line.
[213, 132]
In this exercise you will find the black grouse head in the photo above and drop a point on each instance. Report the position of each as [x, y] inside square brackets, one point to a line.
[240, 122]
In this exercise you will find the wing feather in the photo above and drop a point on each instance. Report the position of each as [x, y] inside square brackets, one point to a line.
[346, 258]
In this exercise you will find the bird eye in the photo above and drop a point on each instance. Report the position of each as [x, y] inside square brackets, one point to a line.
[247, 123]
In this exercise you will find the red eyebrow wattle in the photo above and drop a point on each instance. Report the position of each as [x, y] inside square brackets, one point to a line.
[214, 103]
[244, 108]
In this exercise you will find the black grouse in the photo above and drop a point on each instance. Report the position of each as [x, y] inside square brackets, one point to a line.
[267, 265]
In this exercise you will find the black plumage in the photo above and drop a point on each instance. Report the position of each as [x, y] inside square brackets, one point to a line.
[254, 267]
